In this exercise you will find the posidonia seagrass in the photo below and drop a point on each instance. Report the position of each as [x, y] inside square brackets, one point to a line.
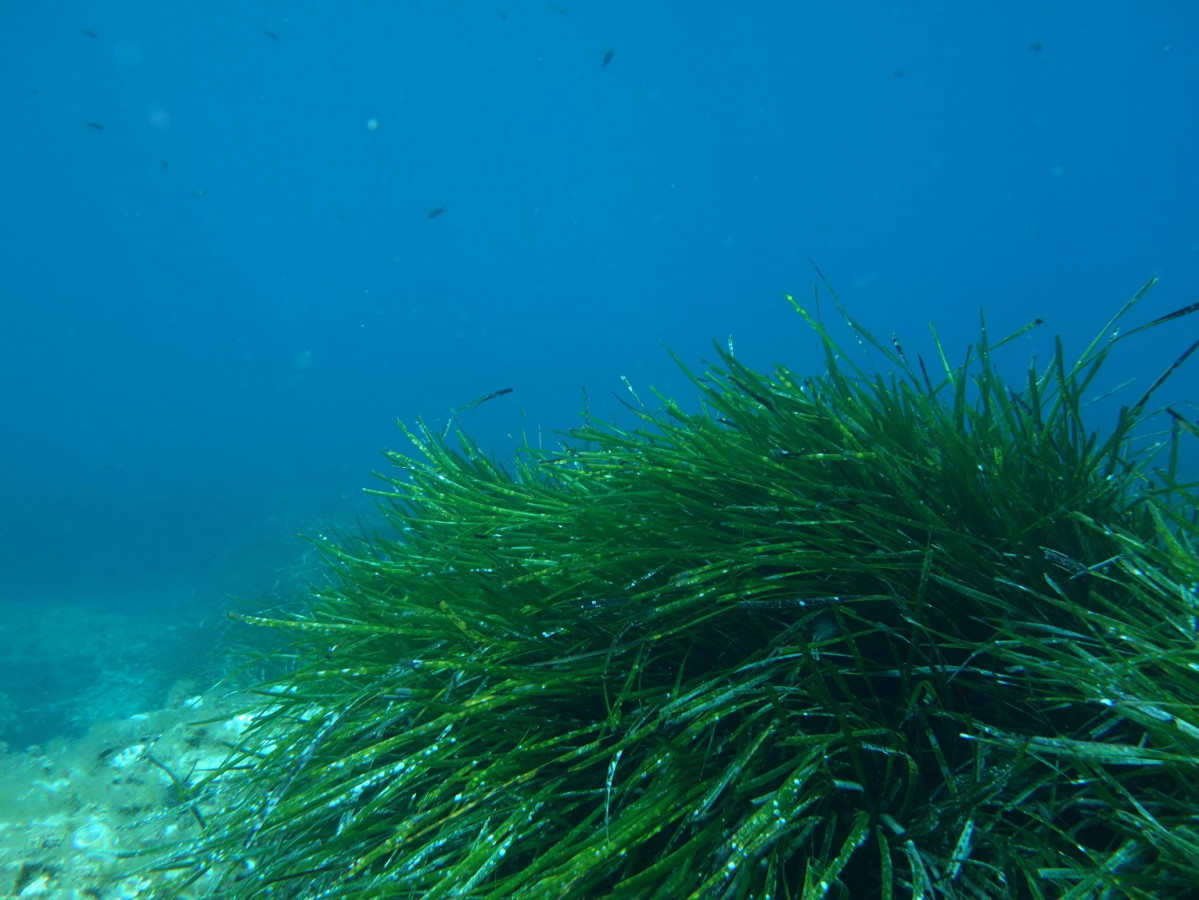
[914, 632]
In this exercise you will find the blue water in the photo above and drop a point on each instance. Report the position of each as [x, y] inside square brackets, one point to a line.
[222, 280]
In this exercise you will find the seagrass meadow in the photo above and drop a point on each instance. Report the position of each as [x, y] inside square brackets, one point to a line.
[906, 630]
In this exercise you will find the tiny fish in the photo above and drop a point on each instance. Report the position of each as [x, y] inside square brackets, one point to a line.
[436, 211]
[484, 399]
[607, 58]
[1036, 46]
[87, 32]
[95, 125]
[270, 34]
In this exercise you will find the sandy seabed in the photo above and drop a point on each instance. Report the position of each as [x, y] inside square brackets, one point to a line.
[90, 817]
[105, 722]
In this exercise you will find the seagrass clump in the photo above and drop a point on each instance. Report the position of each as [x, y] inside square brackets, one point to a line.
[861, 633]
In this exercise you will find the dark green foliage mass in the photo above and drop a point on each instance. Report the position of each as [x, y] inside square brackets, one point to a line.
[859, 634]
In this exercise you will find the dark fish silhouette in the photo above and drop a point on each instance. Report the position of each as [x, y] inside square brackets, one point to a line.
[484, 399]
[607, 59]
[95, 125]
[436, 211]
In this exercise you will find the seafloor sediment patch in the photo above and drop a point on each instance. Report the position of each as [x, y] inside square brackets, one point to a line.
[88, 816]
[84, 660]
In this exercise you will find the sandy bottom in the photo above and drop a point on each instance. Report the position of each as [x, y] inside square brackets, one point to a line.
[87, 817]
[102, 716]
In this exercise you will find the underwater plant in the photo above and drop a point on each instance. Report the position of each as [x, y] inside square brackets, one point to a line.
[855, 634]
